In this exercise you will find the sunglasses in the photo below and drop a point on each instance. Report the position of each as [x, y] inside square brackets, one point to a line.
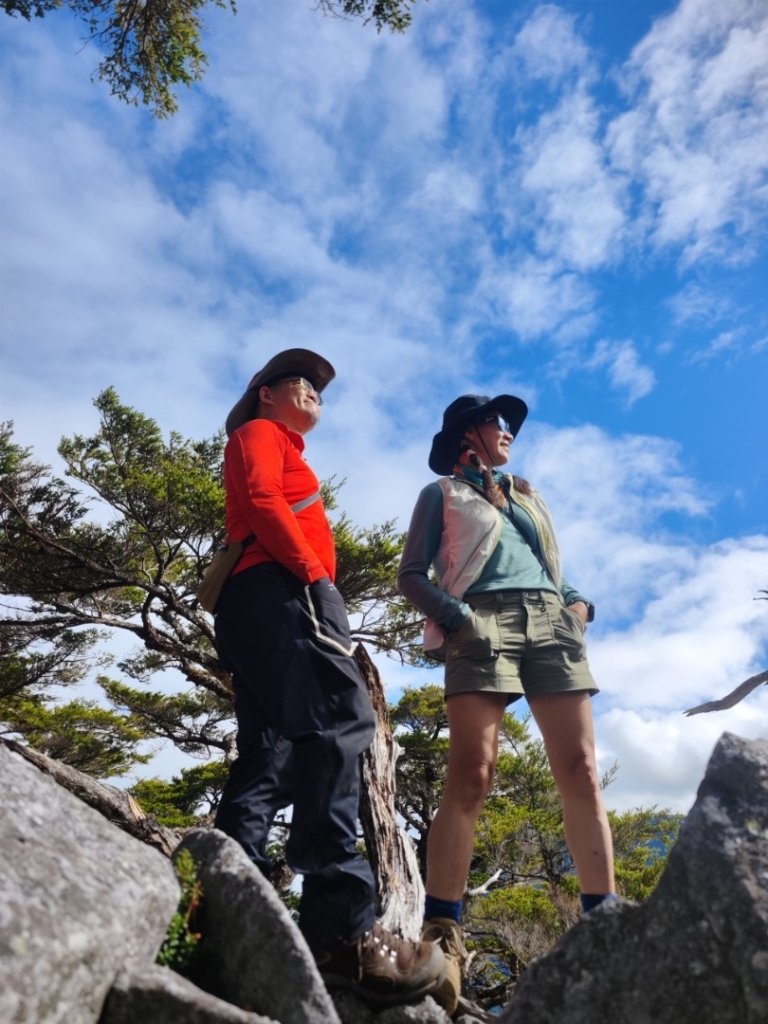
[497, 421]
[303, 383]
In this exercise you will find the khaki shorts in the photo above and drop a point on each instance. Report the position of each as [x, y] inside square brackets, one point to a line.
[518, 642]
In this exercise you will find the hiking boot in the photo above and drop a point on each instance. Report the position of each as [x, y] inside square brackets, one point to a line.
[447, 934]
[382, 968]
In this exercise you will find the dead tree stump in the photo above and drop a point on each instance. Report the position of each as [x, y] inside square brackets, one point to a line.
[391, 851]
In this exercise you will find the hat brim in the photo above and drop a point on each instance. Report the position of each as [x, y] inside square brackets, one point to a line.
[300, 361]
[445, 444]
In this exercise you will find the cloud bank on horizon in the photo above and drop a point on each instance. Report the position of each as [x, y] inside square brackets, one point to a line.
[565, 201]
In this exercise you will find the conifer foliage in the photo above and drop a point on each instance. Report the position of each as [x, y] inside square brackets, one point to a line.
[150, 47]
[119, 549]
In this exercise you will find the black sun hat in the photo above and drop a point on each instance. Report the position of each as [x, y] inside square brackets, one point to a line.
[460, 415]
[298, 361]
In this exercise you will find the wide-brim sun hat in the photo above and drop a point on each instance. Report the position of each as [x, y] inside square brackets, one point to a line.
[299, 361]
[461, 414]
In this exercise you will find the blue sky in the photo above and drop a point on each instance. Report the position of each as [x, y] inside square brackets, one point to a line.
[562, 201]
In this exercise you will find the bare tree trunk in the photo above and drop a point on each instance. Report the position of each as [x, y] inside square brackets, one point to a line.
[116, 805]
[391, 851]
[741, 691]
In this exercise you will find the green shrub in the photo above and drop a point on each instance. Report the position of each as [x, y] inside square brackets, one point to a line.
[180, 944]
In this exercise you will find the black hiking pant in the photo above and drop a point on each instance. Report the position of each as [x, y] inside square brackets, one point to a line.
[304, 717]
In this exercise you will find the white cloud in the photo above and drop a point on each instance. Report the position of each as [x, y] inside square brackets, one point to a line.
[276, 235]
[625, 371]
[677, 622]
[578, 201]
[696, 304]
[662, 758]
[621, 506]
[549, 48]
[695, 137]
[536, 298]
[724, 342]
[622, 481]
[708, 309]
[451, 190]
[701, 635]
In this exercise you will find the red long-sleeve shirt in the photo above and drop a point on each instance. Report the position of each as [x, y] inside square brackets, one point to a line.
[264, 475]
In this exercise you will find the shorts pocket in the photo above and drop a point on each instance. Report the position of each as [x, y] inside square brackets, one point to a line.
[477, 638]
[569, 633]
[577, 619]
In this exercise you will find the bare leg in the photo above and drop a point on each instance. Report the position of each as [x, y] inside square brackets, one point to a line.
[565, 721]
[473, 721]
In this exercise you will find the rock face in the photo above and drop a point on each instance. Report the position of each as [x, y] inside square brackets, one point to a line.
[79, 900]
[251, 953]
[153, 994]
[697, 949]
[84, 908]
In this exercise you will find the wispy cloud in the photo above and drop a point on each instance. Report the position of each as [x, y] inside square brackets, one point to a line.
[577, 202]
[549, 49]
[696, 304]
[694, 136]
[726, 342]
[536, 297]
[625, 370]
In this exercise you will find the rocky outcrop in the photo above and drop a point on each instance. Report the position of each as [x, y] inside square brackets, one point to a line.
[251, 953]
[79, 900]
[155, 994]
[84, 908]
[116, 805]
[697, 949]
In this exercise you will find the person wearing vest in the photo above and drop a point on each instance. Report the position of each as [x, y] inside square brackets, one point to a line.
[303, 712]
[506, 624]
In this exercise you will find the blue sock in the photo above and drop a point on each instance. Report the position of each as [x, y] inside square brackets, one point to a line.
[590, 900]
[434, 907]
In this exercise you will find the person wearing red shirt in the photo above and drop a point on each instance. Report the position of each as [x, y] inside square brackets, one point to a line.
[303, 711]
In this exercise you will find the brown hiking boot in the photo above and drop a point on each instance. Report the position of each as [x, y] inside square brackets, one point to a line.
[382, 968]
[447, 934]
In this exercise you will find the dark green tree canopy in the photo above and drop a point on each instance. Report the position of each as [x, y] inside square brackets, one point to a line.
[153, 46]
[123, 553]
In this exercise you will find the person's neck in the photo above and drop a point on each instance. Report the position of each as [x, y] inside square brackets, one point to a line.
[462, 469]
[301, 430]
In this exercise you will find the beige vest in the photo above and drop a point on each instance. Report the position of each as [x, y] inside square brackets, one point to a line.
[471, 531]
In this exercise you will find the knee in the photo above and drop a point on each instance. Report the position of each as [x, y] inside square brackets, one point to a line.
[578, 774]
[470, 784]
